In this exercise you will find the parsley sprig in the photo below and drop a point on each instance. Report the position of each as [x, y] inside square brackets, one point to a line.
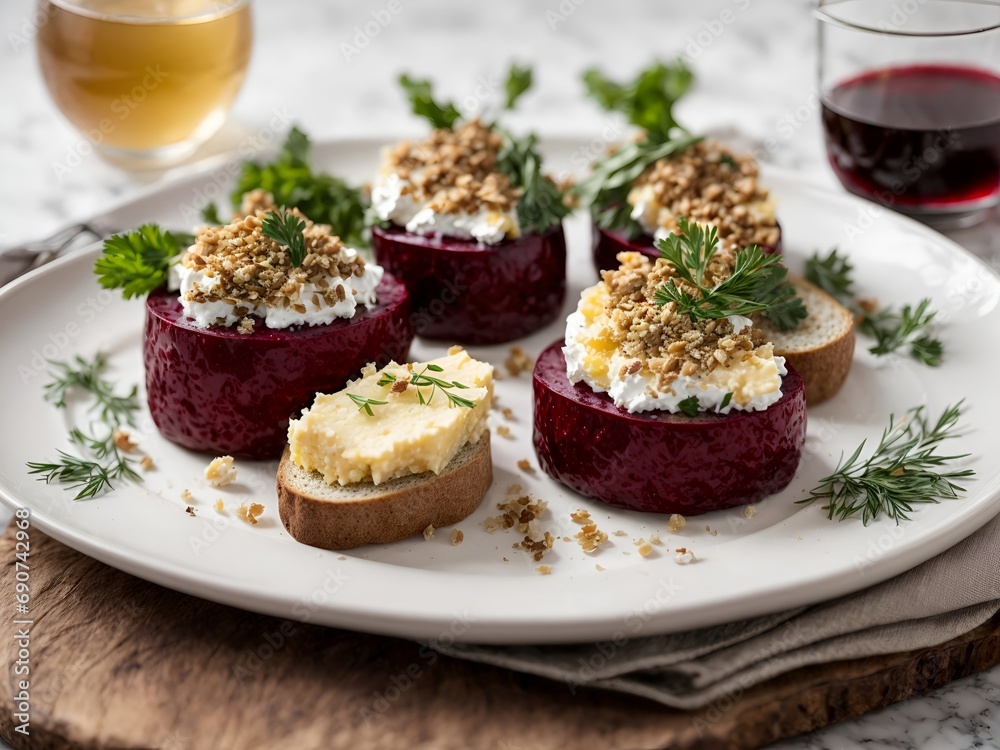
[758, 282]
[322, 197]
[904, 470]
[286, 229]
[541, 205]
[101, 462]
[910, 329]
[138, 262]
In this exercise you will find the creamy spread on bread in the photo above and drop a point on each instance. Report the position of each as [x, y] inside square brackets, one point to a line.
[396, 421]
[620, 341]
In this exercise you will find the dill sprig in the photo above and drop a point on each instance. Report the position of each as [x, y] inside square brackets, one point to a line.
[102, 462]
[910, 329]
[113, 409]
[286, 229]
[758, 282]
[419, 380]
[902, 471]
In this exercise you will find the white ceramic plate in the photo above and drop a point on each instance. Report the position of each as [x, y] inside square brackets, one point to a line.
[483, 590]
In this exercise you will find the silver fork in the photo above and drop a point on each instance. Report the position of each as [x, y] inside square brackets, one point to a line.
[19, 260]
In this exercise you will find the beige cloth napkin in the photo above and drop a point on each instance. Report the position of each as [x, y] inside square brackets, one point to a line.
[945, 597]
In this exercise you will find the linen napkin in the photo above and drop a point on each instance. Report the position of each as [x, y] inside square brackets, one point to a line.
[942, 599]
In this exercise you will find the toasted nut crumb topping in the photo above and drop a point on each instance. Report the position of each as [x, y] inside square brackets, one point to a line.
[710, 185]
[580, 516]
[454, 171]
[248, 267]
[523, 514]
[221, 471]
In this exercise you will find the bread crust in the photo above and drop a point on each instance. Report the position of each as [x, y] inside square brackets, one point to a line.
[824, 366]
[404, 508]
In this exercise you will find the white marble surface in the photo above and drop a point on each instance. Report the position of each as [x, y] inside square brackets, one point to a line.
[755, 74]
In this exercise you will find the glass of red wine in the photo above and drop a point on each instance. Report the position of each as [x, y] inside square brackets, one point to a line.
[910, 93]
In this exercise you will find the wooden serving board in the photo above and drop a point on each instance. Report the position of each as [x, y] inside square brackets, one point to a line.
[119, 662]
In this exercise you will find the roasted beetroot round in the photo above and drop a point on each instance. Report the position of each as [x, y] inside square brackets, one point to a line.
[219, 391]
[662, 462]
[607, 244]
[469, 293]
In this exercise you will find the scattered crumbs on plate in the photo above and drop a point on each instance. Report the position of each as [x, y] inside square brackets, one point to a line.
[566, 539]
[221, 471]
[655, 540]
[147, 463]
[525, 465]
[508, 414]
[505, 559]
[503, 430]
[544, 570]
[580, 516]
[429, 531]
[644, 550]
[626, 552]
[123, 441]
[749, 511]
[590, 537]
[600, 568]
[676, 523]
[799, 537]
[456, 536]
[620, 532]
[219, 505]
[250, 513]
[518, 361]
[186, 496]
[342, 557]
[709, 530]
[189, 510]
[684, 556]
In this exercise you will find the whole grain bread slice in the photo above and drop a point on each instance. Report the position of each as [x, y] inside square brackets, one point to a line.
[821, 347]
[336, 518]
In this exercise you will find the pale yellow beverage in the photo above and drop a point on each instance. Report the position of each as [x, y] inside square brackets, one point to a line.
[145, 77]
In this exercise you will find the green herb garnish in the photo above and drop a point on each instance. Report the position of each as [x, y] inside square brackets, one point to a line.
[365, 404]
[421, 96]
[138, 262]
[210, 215]
[900, 473]
[322, 197]
[648, 100]
[112, 409]
[387, 379]
[541, 204]
[606, 189]
[689, 406]
[908, 329]
[102, 461]
[758, 282]
[726, 399]
[728, 161]
[519, 79]
[286, 229]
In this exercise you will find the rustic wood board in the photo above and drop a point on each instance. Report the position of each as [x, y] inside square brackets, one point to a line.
[119, 662]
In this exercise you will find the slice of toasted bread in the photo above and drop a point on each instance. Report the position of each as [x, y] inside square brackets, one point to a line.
[821, 347]
[335, 517]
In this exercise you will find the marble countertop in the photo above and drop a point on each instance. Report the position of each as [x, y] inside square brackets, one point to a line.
[756, 69]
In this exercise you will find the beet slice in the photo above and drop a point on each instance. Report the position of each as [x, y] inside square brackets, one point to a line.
[469, 293]
[661, 462]
[607, 244]
[219, 391]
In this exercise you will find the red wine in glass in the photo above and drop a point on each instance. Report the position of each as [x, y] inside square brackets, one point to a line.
[923, 139]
